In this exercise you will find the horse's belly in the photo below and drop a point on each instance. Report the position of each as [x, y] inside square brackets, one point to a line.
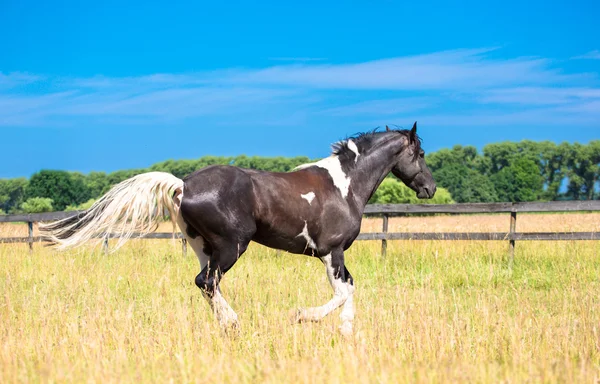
[300, 243]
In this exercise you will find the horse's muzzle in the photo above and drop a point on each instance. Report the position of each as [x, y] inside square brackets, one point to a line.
[427, 192]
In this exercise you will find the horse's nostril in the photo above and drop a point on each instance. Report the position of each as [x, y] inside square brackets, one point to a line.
[430, 191]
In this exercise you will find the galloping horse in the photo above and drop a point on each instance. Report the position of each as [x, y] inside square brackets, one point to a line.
[316, 210]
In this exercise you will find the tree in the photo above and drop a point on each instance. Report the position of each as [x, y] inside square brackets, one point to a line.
[392, 191]
[62, 187]
[212, 160]
[178, 168]
[37, 205]
[550, 158]
[458, 155]
[458, 170]
[520, 181]
[12, 194]
[466, 185]
[118, 176]
[81, 207]
[97, 184]
[583, 162]
[499, 156]
[554, 164]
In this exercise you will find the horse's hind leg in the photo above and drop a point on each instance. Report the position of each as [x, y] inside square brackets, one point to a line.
[213, 265]
[221, 260]
[224, 313]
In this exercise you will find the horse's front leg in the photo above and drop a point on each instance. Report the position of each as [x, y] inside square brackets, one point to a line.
[347, 315]
[343, 288]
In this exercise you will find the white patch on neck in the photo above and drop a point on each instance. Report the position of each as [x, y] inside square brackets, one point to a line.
[334, 167]
[309, 241]
[309, 197]
[352, 146]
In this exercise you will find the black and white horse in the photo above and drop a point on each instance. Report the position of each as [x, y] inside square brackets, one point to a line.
[315, 210]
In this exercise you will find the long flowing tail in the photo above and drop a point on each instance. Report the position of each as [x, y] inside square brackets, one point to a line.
[134, 206]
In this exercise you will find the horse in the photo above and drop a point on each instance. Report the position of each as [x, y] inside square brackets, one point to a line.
[315, 209]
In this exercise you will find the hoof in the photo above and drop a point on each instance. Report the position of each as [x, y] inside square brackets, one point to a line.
[303, 315]
[231, 328]
[296, 316]
[346, 329]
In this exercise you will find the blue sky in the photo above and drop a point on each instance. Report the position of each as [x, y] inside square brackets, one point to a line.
[114, 85]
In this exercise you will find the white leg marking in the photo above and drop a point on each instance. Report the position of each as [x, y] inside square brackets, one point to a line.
[340, 296]
[352, 146]
[223, 311]
[347, 315]
[309, 241]
[308, 197]
[334, 167]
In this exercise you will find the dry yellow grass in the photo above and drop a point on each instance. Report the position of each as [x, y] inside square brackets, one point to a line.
[431, 311]
[572, 222]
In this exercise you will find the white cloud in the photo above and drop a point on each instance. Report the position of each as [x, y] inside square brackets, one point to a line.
[593, 55]
[161, 105]
[446, 86]
[492, 119]
[458, 69]
[540, 95]
[15, 79]
[297, 59]
[587, 108]
[383, 106]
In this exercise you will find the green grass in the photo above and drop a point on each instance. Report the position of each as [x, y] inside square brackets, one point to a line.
[428, 312]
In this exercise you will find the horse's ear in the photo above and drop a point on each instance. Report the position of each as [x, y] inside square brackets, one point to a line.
[413, 133]
[387, 128]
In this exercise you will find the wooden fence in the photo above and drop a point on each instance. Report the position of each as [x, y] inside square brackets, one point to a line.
[385, 211]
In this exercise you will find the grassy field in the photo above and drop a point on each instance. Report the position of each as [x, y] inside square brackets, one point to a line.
[429, 312]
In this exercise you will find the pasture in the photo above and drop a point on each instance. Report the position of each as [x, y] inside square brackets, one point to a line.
[431, 311]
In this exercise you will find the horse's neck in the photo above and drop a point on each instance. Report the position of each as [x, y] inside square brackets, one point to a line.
[370, 171]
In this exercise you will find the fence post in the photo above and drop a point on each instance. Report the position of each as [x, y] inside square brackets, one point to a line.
[384, 230]
[513, 228]
[30, 240]
[184, 246]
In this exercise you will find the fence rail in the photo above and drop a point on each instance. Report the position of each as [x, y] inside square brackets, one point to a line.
[385, 211]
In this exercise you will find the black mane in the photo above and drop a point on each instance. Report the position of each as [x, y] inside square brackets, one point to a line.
[366, 140]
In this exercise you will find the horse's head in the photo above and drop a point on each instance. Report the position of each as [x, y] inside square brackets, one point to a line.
[410, 167]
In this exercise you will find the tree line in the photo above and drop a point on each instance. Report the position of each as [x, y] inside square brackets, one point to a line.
[519, 171]
[507, 171]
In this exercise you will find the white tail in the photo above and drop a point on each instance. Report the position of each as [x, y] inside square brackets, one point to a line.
[135, 205]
